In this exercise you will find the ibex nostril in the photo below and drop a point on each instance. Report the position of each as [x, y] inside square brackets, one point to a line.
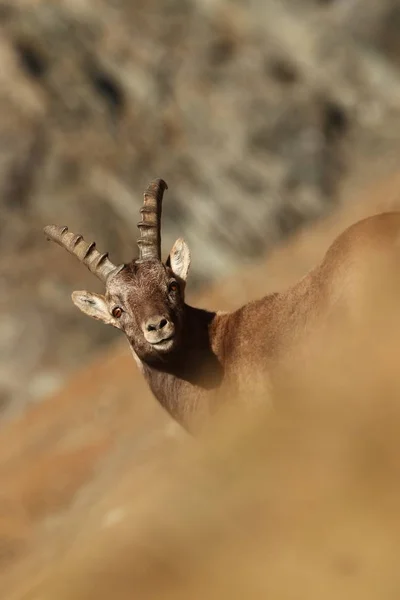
[157, 324]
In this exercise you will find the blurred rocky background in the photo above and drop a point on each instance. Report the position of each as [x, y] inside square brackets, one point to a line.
[256, 112]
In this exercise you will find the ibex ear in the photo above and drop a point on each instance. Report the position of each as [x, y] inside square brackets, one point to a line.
[95, 306]
[179, 259]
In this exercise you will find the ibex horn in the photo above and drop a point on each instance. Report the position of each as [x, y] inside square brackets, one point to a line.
[99, 264]
[149, 241]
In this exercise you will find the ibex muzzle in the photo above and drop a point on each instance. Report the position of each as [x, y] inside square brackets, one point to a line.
[159, 332]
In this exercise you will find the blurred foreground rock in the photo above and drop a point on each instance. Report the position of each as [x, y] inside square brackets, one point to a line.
[255, 112]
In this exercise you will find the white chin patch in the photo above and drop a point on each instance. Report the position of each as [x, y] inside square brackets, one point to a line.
[164, 345]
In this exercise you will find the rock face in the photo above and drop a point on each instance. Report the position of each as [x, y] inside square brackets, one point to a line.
[254, 112]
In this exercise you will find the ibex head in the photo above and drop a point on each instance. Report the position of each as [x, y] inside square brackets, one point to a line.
[144, 298]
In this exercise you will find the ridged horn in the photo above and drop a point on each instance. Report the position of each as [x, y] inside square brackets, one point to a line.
[149, 241]
[99, 264]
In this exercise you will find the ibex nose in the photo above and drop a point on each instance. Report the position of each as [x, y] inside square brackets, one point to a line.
[156, 324]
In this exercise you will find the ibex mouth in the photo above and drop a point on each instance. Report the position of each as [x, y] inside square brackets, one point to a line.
[164, 344]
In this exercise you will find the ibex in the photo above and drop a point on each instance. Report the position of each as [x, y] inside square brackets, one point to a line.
[187, 354]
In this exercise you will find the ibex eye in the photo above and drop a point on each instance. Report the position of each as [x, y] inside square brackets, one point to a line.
[173, 287]
[117, 312]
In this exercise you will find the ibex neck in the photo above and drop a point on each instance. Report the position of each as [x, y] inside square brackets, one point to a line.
[183, 384]
[195, 349]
